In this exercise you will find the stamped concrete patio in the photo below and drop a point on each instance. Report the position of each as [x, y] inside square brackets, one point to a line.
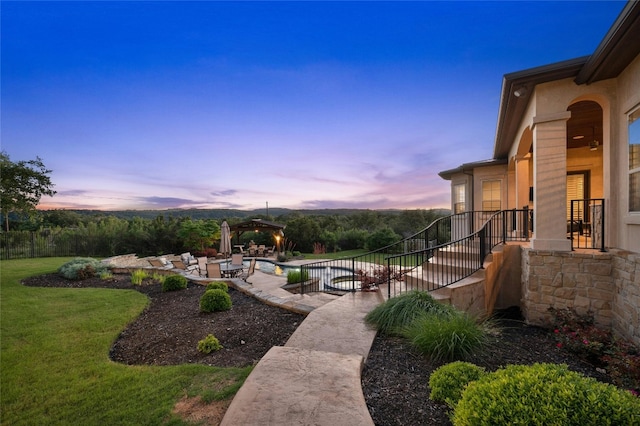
[314, 379]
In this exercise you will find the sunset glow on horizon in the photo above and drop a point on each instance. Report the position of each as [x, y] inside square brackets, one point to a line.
[304, 105]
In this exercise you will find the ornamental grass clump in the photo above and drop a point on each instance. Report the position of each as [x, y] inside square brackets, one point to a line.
[82, 268]
[543, 394]
[399, 312]
[446, 337]
[219, 285]
[209, 344]
[174, 282]
[215, 300]
[448, 381]
[138, 276]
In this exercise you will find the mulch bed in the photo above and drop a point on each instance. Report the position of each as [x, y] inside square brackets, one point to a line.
[168, 331]
[395, 377]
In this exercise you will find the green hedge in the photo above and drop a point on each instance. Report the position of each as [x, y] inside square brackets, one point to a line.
[544, 394]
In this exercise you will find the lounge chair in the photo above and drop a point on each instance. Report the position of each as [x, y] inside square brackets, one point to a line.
[179, 264]
[213, 270]
[156, 263]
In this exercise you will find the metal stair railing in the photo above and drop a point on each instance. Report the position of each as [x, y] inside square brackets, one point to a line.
[457, 259]
[394, 261]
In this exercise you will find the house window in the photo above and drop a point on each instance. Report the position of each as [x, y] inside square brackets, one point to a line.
[577, 189]
[634, 161]
[491, 195]
[459, 198]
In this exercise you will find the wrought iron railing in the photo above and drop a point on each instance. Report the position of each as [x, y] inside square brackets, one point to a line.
[474, 234]
[585, 226]
[455, 260]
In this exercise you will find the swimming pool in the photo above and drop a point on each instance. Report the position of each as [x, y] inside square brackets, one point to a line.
[330, 278]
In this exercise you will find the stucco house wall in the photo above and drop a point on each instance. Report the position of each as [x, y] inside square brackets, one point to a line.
[628, 90]
[532, 150]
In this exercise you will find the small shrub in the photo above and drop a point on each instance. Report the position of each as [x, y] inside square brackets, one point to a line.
[209, 344]
[215, 300]
[174, 282]
[297, 276]
[578, 334]
[398, 312]
[82, 268]
[544, 394]
[220, 285]
[623, 365]
[106, 275]
[448, 381]
[138, 276]
[451, 337]
[319, 248]
[370, 279]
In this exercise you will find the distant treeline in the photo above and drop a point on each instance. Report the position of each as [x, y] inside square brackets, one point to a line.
[225, 214]
[154, 232]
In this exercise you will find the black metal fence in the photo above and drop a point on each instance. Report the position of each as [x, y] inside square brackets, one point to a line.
[586, 224]
[31, 244]
[454, 260]
[473, 234]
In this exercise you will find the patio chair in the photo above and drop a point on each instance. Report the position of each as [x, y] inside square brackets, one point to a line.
[252, 251]
[188, 259]
[250, 271]
[261, 250]
[213, 270]
[271, 251]
[202, 266]
[236, 259]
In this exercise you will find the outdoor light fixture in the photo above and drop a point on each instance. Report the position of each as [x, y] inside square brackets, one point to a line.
[520, 92]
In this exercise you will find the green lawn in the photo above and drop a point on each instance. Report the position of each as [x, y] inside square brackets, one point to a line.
[55, 367]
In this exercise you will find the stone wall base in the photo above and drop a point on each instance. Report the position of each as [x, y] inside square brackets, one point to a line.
[606, 285]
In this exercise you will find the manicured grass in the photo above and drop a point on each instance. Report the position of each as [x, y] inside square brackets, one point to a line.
[55, 364]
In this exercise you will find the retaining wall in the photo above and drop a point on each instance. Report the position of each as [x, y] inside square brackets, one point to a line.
[606, 285]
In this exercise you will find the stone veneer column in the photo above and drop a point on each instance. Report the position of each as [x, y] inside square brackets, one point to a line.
[550, 182]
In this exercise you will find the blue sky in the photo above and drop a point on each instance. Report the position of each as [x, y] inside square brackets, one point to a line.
[155, 105]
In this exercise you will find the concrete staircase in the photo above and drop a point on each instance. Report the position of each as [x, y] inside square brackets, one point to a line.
[448, 266]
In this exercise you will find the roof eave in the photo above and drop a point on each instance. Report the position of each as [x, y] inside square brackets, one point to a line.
[512, 107]
[467, 167]
[614, 53]
[617, 49]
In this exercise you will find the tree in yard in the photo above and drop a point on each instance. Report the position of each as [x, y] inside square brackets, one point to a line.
[22, 184]
[199, 234]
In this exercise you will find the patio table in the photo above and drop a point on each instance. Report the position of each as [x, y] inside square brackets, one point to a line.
[229, 270]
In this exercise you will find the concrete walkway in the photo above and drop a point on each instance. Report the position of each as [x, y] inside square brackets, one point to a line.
[315, 378]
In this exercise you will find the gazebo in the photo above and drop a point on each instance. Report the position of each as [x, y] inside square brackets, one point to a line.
[259, 225]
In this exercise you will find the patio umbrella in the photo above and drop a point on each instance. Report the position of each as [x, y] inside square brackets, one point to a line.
[225, 239]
